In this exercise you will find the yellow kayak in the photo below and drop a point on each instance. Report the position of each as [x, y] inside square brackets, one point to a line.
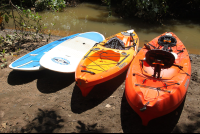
[106, 60]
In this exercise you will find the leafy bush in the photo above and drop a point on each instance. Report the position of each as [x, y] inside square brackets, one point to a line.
[23, 3]
[55, 5]
[150, 10]
[28, 28]
[41, 5]
[155, 10]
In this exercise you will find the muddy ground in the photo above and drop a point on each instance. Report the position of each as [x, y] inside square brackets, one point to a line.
[47, 101]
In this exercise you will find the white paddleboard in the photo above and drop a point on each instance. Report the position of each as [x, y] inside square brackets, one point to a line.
[66, 56]
[30, 61]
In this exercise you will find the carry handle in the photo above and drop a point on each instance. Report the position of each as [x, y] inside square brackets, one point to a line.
[87, 71]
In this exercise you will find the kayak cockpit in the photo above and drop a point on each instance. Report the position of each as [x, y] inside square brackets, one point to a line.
[101, 61]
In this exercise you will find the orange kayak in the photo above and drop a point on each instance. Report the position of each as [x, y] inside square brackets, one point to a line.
[106, 60]
[158, 77]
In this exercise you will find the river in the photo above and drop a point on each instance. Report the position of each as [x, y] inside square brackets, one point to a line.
[93, 17]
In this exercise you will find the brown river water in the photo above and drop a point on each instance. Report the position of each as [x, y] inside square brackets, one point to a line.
[92, 17]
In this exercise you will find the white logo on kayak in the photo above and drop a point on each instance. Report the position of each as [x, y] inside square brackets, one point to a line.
[60, 61]
[186, 83]
[122, 65]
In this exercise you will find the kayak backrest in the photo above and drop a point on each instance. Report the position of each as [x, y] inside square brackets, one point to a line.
[157, 56]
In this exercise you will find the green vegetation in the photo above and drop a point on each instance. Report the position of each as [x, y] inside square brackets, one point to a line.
[28, 28]
[55, 5]
[155, 10]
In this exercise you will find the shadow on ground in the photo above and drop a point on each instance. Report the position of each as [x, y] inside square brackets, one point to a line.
[131, 121]
[52, 82]
[48, 81]
[45, 122]
[48, 121]
[97, 95]
[83, 128]
[23, 77]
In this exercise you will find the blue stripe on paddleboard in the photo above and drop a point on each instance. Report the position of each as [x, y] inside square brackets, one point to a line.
[40, 52]
[93, 36]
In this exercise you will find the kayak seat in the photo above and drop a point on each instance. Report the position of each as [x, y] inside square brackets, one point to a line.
[167, 73]
[115, 43]
[159, 59]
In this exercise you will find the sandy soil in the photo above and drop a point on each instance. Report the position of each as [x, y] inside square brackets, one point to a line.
[48, 101]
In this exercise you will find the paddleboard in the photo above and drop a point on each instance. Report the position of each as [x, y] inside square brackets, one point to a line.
[66, 56]
[30, 61]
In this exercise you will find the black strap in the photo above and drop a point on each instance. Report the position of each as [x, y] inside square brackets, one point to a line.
[144, 107]
[87, 71]
[147, 46]
[181, 68]
[180, 51]
[156, 88]
[131, 34]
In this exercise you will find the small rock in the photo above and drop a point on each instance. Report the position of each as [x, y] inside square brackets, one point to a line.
[108, 106]
[2, 114]
[4, 125]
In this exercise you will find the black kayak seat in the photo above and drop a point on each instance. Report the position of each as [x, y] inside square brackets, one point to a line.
[115, 43]
[159, 59]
